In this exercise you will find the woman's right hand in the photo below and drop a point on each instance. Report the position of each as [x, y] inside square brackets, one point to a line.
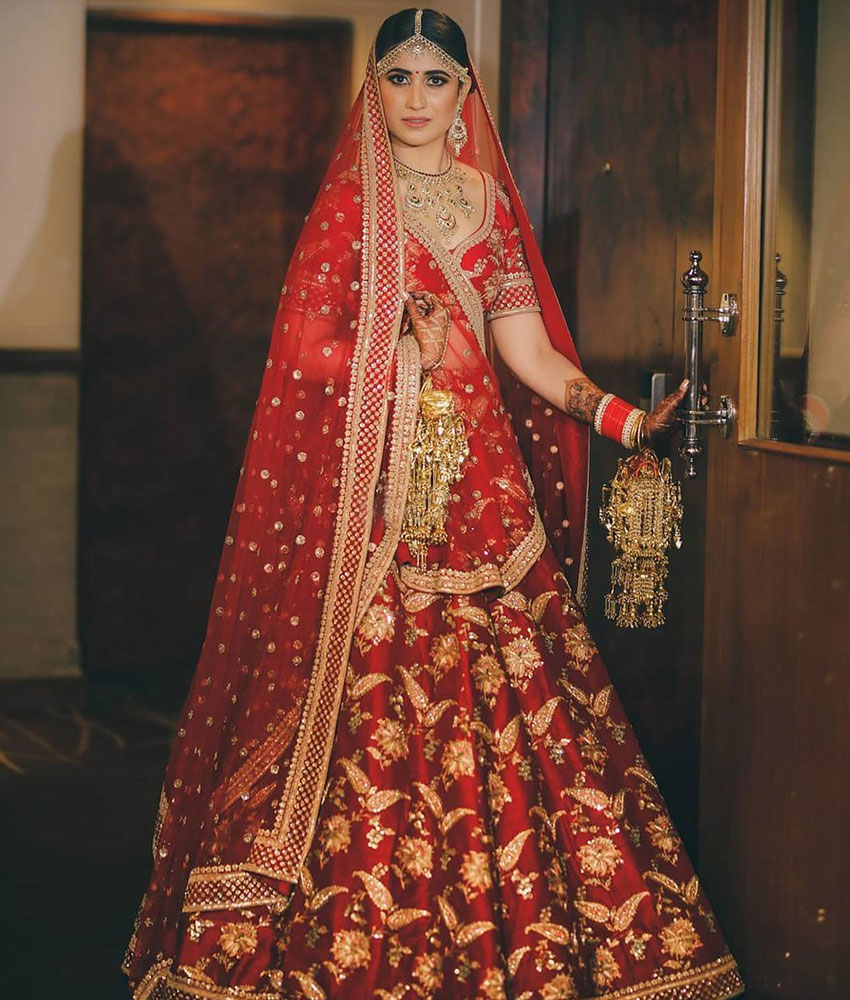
[429, 321]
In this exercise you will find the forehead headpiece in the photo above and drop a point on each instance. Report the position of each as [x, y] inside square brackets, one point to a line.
[417, 46]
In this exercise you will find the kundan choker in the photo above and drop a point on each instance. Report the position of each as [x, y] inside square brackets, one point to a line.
[436, 196]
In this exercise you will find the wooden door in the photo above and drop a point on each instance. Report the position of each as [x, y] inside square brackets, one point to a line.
[206, 140]
[608, 117]
[774, 823]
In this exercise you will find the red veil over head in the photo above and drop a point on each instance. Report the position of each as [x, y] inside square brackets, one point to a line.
[247, 770]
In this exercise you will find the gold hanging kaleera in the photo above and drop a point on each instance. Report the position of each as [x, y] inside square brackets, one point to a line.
[641, 511]
[438, 451]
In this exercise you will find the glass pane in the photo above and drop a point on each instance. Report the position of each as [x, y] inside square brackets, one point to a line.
[804, 370]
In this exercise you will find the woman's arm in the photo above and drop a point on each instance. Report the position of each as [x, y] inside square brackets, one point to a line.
[523, 344]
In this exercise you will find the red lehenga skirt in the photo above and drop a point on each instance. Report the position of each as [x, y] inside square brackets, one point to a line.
[489, 828]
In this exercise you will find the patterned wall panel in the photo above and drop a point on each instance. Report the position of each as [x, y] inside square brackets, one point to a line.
[204, 148]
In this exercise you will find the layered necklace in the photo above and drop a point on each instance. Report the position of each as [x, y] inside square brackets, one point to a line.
[436, 197]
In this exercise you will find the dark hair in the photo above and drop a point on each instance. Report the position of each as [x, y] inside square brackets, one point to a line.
[437, 27]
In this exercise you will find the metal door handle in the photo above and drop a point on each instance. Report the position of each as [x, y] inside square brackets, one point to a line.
[694, 314]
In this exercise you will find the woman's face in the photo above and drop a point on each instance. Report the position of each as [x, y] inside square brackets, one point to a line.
[420, 98]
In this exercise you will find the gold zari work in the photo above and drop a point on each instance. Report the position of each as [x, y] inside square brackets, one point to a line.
[641, 511]
[437, 454]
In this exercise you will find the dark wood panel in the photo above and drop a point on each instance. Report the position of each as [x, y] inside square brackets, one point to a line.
[524, 94]
[628, 147]
[204, 147]
[775, 799]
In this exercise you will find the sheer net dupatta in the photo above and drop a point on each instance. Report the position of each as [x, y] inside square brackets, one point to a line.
[554, 446]
[247, 767]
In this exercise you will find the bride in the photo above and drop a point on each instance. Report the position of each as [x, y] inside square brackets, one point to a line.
[401, 770]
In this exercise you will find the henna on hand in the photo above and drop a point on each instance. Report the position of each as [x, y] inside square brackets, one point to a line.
[581, 398]
[660, 422]
[430, 321]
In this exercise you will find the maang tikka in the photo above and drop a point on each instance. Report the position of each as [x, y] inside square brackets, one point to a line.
[417, 45]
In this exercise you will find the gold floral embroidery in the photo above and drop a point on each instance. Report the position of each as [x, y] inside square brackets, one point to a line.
[238, 939]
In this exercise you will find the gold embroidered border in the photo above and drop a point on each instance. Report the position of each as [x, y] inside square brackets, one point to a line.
[154, 977]
[226, 887]
[507, 576]
[257, 765]
[717, 980]
[280, 852]
[175, 987]
[454, 274]
[512, 312]
[402, 432]
[161, 813]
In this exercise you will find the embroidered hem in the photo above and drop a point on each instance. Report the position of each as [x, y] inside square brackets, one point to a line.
[716, 980]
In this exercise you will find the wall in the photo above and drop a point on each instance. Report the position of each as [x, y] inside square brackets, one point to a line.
[42, 44]
[42, 60]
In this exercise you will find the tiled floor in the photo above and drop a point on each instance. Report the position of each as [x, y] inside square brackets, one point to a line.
[79, 780]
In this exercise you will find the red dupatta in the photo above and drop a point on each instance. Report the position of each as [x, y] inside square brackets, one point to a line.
[247, 770]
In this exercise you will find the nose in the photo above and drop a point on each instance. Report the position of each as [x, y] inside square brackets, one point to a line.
[416, 93]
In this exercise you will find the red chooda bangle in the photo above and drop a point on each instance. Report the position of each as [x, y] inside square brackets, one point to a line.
[618, 420]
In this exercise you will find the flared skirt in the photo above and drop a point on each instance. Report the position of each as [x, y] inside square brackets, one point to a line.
[489, 827]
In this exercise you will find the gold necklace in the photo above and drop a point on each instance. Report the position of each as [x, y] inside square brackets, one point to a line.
[436, 196]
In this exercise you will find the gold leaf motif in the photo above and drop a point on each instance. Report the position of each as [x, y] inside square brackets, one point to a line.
[514, 600]
[538, 605]
[357, 777]
[363, 685]
[618, 803]
[511, 488]
[691, 890]
[432, 716]
[593, 911]
[415, 602]
[476, 615]
[401, 918]
[306, 880]
[664, 880]
[378, 892]
[625, 913]
[510, 853]
[469, 932]
[415, 692]
[447, 913]
[601, 701]
[483, 730]
[384, 798]
[543, 716]
[591, 797]
[552, 932]
[515, 958]
[577, 693]
[643, 774]
[323, 895]
[452, 817]
[431, 798]
[309, 987]
[510, 734]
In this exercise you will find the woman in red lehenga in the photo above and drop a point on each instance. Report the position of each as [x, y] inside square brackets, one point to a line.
[402, 771]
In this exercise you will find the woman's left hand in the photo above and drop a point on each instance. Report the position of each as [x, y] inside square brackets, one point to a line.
[660, 423]
[429, 320]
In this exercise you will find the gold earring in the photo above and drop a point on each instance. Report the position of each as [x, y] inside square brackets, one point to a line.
[457, 132]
